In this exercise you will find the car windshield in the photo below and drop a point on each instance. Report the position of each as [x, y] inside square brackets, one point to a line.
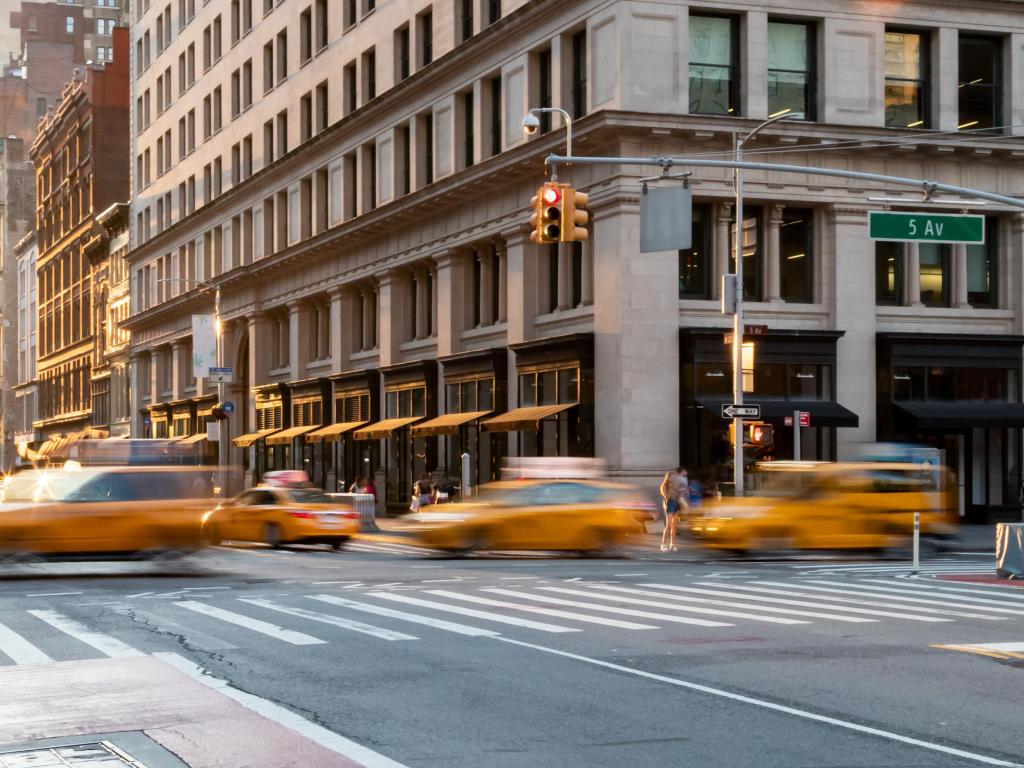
[311, 497]
[43, 486]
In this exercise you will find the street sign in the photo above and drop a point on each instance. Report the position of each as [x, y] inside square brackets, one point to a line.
[229, 407]
[666, 219]
[221, 375]
[926, 227]
[805, 418]
[733, 411]
[755, 330]
[213, 431]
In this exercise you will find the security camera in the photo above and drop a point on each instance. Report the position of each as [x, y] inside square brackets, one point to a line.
[531, 124]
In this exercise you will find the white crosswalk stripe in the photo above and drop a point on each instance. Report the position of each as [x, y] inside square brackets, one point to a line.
[892, 595]
[897, 593]
[326, 618]
[387, 548]
[105, 644]
[18, 649]
[486, 615]
[256, 625]
[931, 568]
[1010, 593]
[415, 618]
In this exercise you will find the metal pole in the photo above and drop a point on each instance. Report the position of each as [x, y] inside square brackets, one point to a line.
[917, 542]
[737, 326]
[796, 435]
[466, 490]
[222, 432]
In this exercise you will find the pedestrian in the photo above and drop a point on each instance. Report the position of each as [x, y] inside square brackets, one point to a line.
[424, 489]
[670, 499]
[369, 486]
[359, 486]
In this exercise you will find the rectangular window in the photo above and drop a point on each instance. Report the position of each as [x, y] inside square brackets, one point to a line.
[247, 84]
[982, 263]
[468, 134]
[888, 273]
[282, 133]
[426, 30]
[236, 164]
[752, 251]
[268, 66]
[306, 117]
[207, 117]
[305, 36]
[191, 130]
[236, 20]
[495, 96]
[579, 74]
[369, 75]
[401, 53]
[236, 93]
[427, 147]
[69, 25]
[544, 88]
[934, 270]
[791, 60]
[321, 24]
[906, 79]
[207, 48]
[217, 38]
[796, 256]
[695, 263]
[282, 55]
[246, 16]
[351, 95]
[350, 13]
[268, 143]
[403, 157]
[493, 11]
[981, 82]
[321, 106]
[181, 73]
[714, 68]
[191, 60]
[465, 19]
[247, 157]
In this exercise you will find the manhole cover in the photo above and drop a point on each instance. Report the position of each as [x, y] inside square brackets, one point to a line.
[97, 754]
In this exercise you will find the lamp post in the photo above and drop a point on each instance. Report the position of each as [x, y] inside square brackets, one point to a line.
[737, 321]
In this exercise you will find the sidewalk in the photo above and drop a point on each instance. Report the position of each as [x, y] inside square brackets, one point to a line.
[201, 720]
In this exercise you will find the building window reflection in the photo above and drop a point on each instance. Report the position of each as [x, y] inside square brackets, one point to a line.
[906, 80]
[695, 261]
[791, 70]
[934, 270]
[714, 69]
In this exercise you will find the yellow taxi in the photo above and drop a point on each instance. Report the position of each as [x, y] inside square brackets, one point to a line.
[831, 505]
[280, 515]
[106, 512]
[576, 515]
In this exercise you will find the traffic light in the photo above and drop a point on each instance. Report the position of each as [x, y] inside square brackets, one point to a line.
[760, 434]
[574, 215]
[547, 217]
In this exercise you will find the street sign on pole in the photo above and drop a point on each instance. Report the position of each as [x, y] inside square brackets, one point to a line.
[926, 227]
[736, 411]
[805, 418]
[220, 375]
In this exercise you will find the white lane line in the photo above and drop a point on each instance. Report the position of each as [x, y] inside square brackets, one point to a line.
[105, 644]
[350, 583]
[771, 705]
[732, 604]
[807, 598]
[364, 756]
[485, 615]
[895, 593]
[855, 598]
[191, 636]
[629, 574]
[1005, 593]
[415, 618]
[18, 649]
[256, 625]
[544, 611]
[673, 607]
[437, 581]
[517, 578]
[52, 594]
[326, 618]
[617, 610]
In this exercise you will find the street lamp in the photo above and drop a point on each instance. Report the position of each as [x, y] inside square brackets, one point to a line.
[531, 124]
[206, 286]
[737, 322]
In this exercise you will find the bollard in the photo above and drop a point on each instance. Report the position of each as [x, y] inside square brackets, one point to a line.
[917, 542]
[466, 492]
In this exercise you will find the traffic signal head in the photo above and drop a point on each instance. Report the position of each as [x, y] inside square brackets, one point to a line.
[546, 221]
[760, 434]
[574, 216]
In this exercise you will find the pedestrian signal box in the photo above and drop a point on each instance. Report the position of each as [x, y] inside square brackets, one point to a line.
[760, 434]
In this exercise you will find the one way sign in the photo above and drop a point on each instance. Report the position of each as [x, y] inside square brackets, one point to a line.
[734, 411]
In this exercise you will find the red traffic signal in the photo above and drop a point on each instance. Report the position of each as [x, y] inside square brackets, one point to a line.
[546, 220]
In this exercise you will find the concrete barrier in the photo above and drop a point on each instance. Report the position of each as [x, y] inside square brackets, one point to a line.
[366, 505]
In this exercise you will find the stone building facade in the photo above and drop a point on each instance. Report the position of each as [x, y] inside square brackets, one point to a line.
[355, 181]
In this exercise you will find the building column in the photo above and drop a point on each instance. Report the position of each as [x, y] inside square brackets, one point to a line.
[298, 338]
[432, 308]
[180, 368]
[366, 310]
[389, 318]
[447, 328]
[501, 275]
[959, 265]
[945, 65]
[911, 275]
[135, 393]
[564, 276]
[336, 297]
[155, 390]
[422, 301]
[774, 292]
[854, 313]
[486, 276]
[723, 246]
[587, 278]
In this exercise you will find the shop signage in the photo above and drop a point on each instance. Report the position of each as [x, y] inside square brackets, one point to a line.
[926, 227]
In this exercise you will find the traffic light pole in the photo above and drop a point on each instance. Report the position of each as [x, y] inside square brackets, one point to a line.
[737, 323]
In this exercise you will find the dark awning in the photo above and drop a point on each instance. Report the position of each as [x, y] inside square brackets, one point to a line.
[824, 413]
[962, 414]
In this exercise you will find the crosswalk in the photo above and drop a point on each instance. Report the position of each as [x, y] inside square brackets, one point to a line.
[548, 607]
[933, 567]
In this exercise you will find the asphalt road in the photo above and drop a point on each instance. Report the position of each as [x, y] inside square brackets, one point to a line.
[513, 661]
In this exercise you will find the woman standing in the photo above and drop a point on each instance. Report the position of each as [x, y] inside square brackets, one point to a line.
[670, 500]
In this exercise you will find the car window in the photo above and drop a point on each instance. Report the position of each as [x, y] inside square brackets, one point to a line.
[264, 498]
[309, 497]
[563, 493]
[245, 499]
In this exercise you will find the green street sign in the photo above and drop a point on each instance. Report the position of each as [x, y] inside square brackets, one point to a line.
[926, 227]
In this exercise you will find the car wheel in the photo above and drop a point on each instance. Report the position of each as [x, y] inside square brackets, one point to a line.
[272, 535]
[337, 544]
[477, 540]
[213, 537]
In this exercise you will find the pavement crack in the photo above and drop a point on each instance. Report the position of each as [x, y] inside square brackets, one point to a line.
[183, 643]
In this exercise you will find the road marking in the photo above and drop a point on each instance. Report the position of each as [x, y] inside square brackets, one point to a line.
[517, 578]
[105, 644]
[732, 604]
[350, 583]
[971, 603]
[193, 637]
[618, 610]
[771, 705]
[326, 618]
[415, 618]
[663, 605]
[1005, 593]
[52, 594]
[18, 649]
[364, 756]
[988, 650]
[256, 625]
[485, 615]
[1016, 647]
[629, 574]
[544, 611]
[801, 592]
[389, 549]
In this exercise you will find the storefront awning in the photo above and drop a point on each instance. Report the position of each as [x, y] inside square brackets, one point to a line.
[824, 413]
[384, 428]
[962, 414]
[192, 439]
[244, 441]
[524, 418]
[285, 436]
[448, 424]
[332, 432]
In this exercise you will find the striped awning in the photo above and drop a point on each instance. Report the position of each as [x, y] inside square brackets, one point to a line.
[448, 424]
[244, 441]
[285, 436]
[384, 428]
[192, 439]
[524, 418]
[332, 432]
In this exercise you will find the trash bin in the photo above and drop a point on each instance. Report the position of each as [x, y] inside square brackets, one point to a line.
[1010, 550]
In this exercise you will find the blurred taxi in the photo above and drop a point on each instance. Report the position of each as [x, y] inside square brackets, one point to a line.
[830, 505]
[284, 513]
[578, 515]
[136, 511]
